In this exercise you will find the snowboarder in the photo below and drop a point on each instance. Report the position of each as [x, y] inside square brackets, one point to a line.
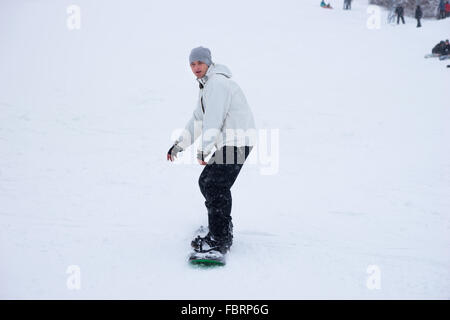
[418, 16]
[222, 113]
[399, 11]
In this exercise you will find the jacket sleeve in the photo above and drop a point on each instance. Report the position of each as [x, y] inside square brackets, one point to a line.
[192, 130]
[217, 103]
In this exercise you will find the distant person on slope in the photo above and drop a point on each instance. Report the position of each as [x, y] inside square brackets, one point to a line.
[439, 49]
[324, 5]
[442, 9]
[399, 11]
[221, 116]
[447, 9]
[347, 4]
[446, 48]
[418, 16]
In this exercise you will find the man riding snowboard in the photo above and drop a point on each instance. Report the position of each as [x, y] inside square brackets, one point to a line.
[224, 119]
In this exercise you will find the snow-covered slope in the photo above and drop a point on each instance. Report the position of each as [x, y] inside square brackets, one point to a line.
[87, 116]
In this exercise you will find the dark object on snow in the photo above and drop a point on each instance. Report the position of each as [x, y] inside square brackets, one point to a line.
[347, 4]
[418, 16]
[399, 11]
[446, 51]
[439, 48]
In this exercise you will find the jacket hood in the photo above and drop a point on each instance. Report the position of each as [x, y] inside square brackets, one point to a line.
[215, 69]
[218, 69]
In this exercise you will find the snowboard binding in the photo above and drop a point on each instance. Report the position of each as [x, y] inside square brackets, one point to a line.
[208, 252]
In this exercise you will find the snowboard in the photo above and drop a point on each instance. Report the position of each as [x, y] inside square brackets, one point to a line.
[431, 55]
[444, 57]
[205, 259]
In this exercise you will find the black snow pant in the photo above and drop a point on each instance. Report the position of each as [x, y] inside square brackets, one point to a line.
[400, 17]
[418, 23]
[215, 183]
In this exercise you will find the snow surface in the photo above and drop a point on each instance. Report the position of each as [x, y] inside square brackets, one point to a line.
[87, 116]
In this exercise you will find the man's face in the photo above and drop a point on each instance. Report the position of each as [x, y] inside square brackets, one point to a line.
[199, 69]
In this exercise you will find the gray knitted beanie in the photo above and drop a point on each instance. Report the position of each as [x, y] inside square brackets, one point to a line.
[200, 54]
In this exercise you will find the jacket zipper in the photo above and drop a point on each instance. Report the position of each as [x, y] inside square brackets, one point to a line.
[201, 98]
[201, 101]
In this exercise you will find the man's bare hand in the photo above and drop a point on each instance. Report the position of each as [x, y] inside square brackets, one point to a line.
[201, 162]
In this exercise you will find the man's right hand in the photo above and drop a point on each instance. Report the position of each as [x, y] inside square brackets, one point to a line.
[172, 153]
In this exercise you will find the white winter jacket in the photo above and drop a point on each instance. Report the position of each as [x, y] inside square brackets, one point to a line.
[222, 115]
